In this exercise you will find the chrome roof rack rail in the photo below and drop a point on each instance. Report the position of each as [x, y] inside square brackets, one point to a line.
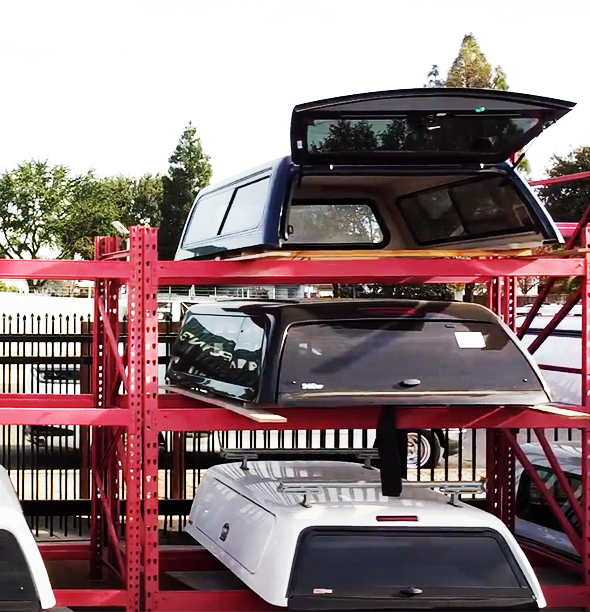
[451, 488]
[251, 454]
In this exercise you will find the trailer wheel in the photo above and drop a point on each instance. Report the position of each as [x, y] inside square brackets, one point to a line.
[423, 444]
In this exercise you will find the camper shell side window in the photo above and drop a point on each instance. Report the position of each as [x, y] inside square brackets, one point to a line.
[476, 208]
[229, 210]
[207, 215]
[223, 352]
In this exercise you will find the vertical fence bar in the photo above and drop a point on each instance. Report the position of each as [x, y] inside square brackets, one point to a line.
[85, 387]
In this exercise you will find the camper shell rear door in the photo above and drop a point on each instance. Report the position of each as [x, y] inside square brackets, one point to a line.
[427, 126]
[432, 130]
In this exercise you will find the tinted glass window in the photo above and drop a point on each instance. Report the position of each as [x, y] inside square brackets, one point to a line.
[333, 222]
[441, 134]
[247, 207]
[532, 507]
[247, 355]
[207, 345]
[466, 211]
[377, 355]
[207, 217]
[16, 583]
[350, 563]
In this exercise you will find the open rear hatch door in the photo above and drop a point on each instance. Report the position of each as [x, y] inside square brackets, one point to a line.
[420, 127]
[433, 131]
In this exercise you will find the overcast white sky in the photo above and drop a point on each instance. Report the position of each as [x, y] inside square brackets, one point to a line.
[111, 85]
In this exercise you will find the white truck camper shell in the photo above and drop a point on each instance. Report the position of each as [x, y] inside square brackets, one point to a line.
[319, 535]
[24, 584]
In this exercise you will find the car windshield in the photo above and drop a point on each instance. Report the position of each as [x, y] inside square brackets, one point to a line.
[384, 355]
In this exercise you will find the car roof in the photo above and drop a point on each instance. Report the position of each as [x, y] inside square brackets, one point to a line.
[333, 309]
[568, 456]
[339, 485]
[236, 178]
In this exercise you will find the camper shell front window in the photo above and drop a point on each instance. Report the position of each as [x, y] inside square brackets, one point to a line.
[353, 222]
[414, 566]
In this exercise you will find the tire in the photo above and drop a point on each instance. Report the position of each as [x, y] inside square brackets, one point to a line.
[430, 448]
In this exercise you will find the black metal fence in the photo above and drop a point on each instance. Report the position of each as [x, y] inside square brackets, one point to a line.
[49, 466]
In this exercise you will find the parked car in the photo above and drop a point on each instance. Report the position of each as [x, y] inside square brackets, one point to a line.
[24, 583]
[318, 535]
[562, 348]
[394, 170]
[535, 522]
[353, 352]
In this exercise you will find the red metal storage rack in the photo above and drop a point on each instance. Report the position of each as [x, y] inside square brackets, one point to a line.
[176, 413]
[125, 426]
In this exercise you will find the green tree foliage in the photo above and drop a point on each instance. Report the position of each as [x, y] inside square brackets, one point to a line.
[89, 211]
[45, 211]
[96, 203]
[407, 292]
[189, 172]
[32, 198]
[8, 288]
[568, 201]
[472, 69]
[433, 77]
[145, 205]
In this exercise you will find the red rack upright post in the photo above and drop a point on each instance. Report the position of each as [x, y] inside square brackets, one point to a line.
[136, 322]
[585, 298]
[149, 305]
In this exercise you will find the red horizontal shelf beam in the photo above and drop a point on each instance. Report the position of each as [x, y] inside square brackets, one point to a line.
[557, 596]
[268, 272]
[90, 598]
[65, 552]
[31, 409]
[567, 229]
[61, 269]
[172, 417]
[98, 417]
[568, 178]
[211, 601]
[48, 401]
